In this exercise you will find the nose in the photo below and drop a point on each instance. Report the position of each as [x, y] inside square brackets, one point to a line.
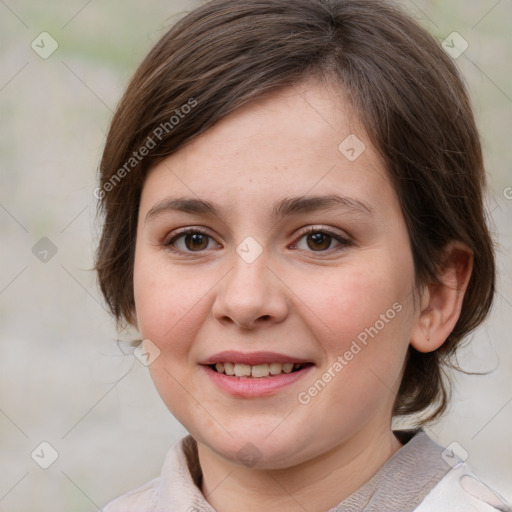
[251, 295]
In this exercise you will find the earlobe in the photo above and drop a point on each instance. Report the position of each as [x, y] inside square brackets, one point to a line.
[441, 303]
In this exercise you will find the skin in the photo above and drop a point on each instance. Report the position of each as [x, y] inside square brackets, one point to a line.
[301, 298]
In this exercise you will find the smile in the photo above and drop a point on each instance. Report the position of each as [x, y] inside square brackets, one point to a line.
[255, 374]
[256, 371]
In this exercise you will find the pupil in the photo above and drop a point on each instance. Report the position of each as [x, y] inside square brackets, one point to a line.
[196, 238]
[318, 238]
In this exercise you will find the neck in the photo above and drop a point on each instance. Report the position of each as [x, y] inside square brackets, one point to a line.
[315, 485]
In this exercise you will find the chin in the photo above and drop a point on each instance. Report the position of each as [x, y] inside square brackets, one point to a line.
[253, 448]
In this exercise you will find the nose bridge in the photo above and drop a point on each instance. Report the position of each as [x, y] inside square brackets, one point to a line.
[248, 276]
[250, 291]
[248, 281]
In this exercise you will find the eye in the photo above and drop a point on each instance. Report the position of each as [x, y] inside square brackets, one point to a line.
[191, 240]
[320, 240]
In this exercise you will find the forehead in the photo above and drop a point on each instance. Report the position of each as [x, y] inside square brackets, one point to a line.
[299, 140]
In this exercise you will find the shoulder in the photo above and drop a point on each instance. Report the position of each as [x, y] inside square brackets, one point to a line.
[175, 489]
[460, 491]
[141, 499]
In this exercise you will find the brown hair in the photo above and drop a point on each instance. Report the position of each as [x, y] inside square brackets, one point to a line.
[406, 91]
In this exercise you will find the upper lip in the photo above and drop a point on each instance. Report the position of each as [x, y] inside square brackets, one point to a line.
[251, 358]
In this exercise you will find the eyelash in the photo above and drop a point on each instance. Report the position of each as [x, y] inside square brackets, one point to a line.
[343, 242]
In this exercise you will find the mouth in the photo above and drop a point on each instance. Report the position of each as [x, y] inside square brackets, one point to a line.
[256, 374]
[257, 371]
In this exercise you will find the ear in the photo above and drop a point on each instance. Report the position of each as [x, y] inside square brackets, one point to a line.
[441, 303]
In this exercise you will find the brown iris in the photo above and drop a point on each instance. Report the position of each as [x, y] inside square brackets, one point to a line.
[199, 241]
[321, 240]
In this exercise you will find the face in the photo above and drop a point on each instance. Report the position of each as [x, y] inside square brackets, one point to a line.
[267, 250]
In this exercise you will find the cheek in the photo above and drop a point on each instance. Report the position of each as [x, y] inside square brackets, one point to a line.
[164, 302]
[167, 306]
[357, 300]
[366, 319]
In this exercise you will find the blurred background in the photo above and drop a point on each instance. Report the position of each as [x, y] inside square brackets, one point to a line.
[64, 378]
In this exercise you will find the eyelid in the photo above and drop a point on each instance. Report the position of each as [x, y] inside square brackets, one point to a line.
[185, 231]
[322, 229]
[344, 239]
[168, 241]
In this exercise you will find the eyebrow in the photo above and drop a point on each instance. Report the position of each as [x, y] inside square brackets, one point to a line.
[280, 209]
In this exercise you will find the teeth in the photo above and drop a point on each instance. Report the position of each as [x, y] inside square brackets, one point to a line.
[229, 368]
[275, 368]
[287, 367]
[242, 370]
[258, 370]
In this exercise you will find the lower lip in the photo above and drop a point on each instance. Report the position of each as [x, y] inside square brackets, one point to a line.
[253, 387]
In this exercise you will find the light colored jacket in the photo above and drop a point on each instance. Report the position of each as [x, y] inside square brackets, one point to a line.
[422, 477]
[461, 491]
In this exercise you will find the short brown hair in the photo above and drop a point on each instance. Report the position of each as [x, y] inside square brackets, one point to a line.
[405, 89]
